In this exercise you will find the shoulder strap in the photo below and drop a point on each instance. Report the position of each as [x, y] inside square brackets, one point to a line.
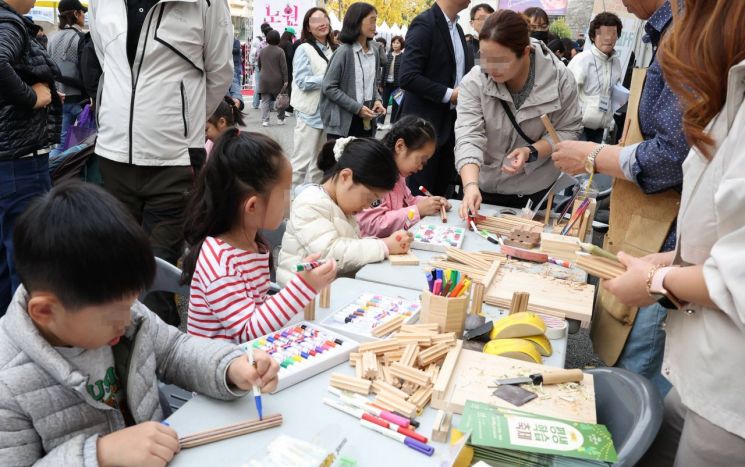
[511, 116]
[320, 52]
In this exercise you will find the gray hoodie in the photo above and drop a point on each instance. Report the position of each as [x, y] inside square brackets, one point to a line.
[48, 417]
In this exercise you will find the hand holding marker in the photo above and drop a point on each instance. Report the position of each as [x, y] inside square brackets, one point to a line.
[443, 215]
[256, 389]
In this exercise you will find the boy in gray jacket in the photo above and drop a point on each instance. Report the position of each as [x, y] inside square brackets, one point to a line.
[80, 357]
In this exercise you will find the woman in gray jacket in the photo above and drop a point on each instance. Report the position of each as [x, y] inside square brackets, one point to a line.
[502, 151]
[350, 101]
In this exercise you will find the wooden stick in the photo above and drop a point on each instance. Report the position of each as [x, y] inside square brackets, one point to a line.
[408, 373]
[420, 327]
[477, 297]
[550, 129]
[446, 372]
[443, 215]
[397, 404]
[230, 431]
[393, 324]
[445, 338]
[519, 302]
[379, 347]
[421, 397]
[410, 355]
[324, 301]
[433, 354]
[369, 366]
[380, 387]
[349, 383]
[441, 427]
[549, 204]
[309, 313]
[491, 274]
[598, 266]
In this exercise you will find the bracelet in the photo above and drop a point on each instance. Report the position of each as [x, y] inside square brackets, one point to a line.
[590, 161]
[650, 276]
[469, 184]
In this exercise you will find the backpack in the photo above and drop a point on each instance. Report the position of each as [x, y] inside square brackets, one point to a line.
[83, 74]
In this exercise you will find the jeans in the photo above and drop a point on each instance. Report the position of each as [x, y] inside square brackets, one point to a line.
[257, 97]
[646, 346]
[21, 181]
[70, 112]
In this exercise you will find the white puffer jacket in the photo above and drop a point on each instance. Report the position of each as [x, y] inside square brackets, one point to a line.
[318, 225]
[153, 113]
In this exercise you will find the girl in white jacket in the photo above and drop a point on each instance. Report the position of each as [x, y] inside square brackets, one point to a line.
[358, 172]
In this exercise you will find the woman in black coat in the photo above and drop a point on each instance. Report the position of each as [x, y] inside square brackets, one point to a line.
[390, 75]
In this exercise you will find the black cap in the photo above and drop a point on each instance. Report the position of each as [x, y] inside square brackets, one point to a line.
[71, 5]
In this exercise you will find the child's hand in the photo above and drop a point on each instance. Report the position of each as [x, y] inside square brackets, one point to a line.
[147, 444]
[244, 376]
[431, 205]
[399, 242]
[320, 277]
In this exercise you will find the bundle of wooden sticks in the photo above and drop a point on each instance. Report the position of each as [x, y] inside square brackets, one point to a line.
[230, 431]
[504, 225]
[598, 266]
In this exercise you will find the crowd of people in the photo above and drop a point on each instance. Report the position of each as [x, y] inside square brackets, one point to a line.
[466, 122]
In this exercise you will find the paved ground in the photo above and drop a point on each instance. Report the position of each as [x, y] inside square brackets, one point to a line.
[579, 349]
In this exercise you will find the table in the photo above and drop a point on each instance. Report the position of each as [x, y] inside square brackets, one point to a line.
[306, 417]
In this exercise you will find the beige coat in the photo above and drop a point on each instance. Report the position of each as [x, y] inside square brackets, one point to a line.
[318, 225]
[704, 349]
[484, 135]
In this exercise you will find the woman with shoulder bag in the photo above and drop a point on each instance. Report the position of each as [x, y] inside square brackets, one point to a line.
[309, 66]
[502, 149]
[351, 103]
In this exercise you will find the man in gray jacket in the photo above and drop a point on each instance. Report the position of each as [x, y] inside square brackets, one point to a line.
[167, 66]
[80, 357]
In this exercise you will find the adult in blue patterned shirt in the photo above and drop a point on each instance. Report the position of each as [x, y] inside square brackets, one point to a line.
[655, 165]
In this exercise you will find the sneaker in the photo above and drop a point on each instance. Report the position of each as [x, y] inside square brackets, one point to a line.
[384, 126]
[264, 123]
[280, 122]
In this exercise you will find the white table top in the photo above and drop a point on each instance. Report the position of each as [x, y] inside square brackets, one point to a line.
[305, 415]
[412, 277]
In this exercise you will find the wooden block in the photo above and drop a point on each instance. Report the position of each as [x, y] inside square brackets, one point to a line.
[446, 372]
[409, 388]
[379, 347]
[392, 356]
[392, 325]
[408, 259]
[324, 300]
[441, 427]
[421, 397]
[519, 302]
[309, 313]
[523, 238]
[549, 206]
[420, 327]
[369, 366]
[414, 338]
[349, 383]
[397, 404]
[410, 354]
[446, 338]
[408, 373]
[387, 377]
[433, 354]
[477, 298]
[380, 387]
[354, 358]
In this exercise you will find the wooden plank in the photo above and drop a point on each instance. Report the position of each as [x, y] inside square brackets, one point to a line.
[408, 259]
[446, 372]
[547, 294]
[474, 372]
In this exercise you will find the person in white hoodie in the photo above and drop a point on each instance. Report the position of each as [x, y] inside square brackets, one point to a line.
[597, 70]
[166, 67]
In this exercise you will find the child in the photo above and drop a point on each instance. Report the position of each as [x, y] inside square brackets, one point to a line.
[357, 172]
[226, 116]
[243, 187]
[412, 141]
[80, 357]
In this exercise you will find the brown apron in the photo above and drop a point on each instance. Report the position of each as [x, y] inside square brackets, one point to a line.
[638, 225]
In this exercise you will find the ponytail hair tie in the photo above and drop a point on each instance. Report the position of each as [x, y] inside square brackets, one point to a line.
[340, 145]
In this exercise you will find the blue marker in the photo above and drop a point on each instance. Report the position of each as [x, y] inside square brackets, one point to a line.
[256, 389]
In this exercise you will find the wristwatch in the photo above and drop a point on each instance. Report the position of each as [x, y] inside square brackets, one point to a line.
[590, 161]
[658, 291]
[533, 154]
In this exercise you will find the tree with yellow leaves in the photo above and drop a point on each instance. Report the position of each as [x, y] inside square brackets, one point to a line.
[400, 12]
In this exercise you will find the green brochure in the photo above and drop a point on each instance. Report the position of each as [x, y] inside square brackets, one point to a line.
[507, 429]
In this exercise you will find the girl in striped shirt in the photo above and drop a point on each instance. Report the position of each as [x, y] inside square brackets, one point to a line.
[244, 187]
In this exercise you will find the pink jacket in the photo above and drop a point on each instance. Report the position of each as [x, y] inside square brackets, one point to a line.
[391, 214]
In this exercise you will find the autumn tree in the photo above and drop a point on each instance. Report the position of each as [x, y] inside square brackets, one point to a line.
[400, 12]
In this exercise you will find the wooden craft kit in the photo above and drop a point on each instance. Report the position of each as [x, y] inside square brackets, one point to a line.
[434, 237]
[303, 350]
[468, 375]
[371, 317]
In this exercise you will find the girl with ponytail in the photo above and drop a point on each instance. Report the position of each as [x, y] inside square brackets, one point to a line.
[244, 187]
[357, 173]
[412, 141]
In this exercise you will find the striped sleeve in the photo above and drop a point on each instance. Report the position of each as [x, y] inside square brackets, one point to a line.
[236, 316]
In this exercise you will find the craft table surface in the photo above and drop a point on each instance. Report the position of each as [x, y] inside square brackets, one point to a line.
[305, 415]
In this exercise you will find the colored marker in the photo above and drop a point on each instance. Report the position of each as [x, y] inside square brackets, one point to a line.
[311, 265]
[256, 389]
[443, 214]
[363, 404]
[425, 191]
[437, 287]
[401, 438]
[362, 411]
[409, 219]
[430, 281]
[559, 262]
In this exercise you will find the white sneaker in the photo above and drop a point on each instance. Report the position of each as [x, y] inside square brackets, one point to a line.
[280, 122]
[384, 126]
[264, 123]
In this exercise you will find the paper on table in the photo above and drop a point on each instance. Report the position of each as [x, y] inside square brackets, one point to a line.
[619, 97]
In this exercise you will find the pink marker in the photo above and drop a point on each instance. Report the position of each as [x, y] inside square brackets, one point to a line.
[437, 287]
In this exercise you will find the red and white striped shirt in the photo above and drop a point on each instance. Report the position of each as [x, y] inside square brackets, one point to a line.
[229, 295]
